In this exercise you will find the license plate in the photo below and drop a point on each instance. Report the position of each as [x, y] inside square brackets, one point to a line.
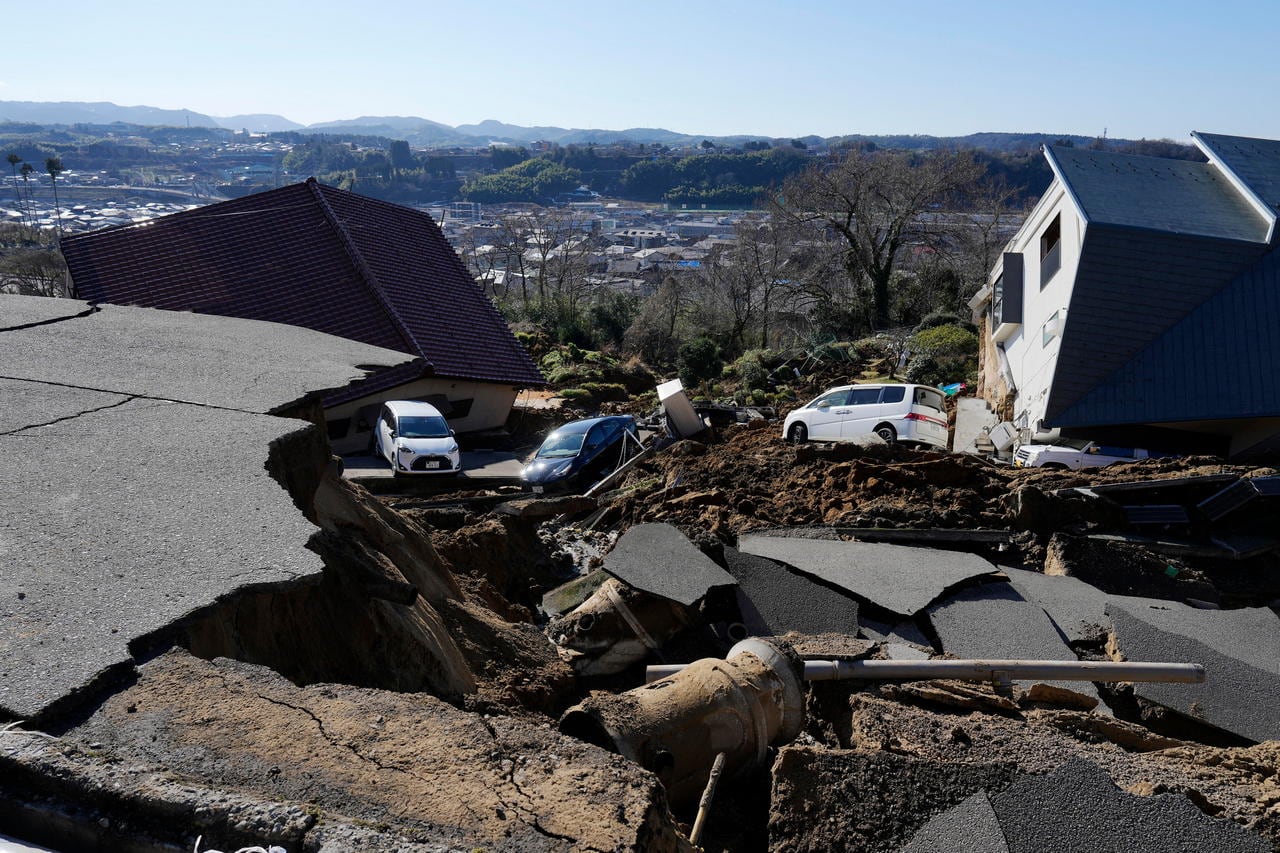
[537, 490]
[431, 465]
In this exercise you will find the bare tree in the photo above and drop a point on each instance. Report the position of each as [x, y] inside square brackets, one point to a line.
[552, 248]
[745, 283]
[34, 272]
[876, 203]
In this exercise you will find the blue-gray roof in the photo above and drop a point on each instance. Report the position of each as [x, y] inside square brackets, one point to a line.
[1132, 286]
[1256, 162]
[1175, 196]
[1219, 362]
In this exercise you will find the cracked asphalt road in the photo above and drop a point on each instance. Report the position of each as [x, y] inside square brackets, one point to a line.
[135, 490]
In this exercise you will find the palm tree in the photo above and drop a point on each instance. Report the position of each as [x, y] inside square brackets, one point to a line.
[14, 160]
[53, 165]
[26, 170]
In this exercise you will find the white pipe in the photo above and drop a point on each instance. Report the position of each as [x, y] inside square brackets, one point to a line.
[984, 670]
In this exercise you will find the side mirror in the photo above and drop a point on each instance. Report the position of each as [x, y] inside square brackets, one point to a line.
[453, 432]
[393, 433]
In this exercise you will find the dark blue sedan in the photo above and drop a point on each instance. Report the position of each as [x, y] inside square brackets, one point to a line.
[581, 453]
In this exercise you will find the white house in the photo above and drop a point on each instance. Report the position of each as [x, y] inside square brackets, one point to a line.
[1139, 302]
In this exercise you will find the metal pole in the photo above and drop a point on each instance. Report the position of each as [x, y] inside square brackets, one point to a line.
[984, 670]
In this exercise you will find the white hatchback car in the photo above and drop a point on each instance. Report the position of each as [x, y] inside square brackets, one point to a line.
[415, 438]
[905, 413]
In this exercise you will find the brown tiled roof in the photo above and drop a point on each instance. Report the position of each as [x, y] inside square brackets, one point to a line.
[314, 256]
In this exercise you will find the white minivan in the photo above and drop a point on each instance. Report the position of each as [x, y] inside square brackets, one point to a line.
[904, 413]
[415, 438]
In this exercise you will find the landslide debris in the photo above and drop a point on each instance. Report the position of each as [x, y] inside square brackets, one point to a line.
[410, 762]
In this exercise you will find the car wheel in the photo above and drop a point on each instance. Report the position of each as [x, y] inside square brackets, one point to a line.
[887, 432]
[799, 434]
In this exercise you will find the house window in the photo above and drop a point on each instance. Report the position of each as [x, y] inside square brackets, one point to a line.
[1049, 330]
[1006, 293]
[338, 428]
[1051, 250]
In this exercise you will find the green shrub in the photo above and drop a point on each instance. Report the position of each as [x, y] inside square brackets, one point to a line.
[924, 370]
[943, 318]
[605, 390]
[759, 398]
[576, 395]
[698, 360]
[945, 342]
[869, 349]
[751, 370]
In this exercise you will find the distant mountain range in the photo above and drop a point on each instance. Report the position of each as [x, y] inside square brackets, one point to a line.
[425, 133]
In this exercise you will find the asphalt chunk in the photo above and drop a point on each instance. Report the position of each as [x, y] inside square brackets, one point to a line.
[775, 600]
[994, 621]
[659, 559]
[1240, 651]
[971, 827]
[1078, 807]
[898, 578]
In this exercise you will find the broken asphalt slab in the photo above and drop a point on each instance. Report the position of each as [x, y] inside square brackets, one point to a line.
[247, 365]
[775, 600]
[123, 511]
[102, 548]
[409, 764]
[1078, 807]
[838, 799]
[897, 578]
[994, 621]
[659, 559]
[1240, 651]
[971, 827]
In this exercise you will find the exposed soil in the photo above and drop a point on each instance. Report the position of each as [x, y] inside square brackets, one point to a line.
[435, 773]
[441, 731]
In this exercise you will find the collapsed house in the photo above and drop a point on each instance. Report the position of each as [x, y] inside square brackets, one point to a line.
[336, 262]
[1138, 304]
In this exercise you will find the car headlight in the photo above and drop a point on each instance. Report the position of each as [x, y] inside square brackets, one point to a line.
[453, 449]
[562, 467]
[404, 449]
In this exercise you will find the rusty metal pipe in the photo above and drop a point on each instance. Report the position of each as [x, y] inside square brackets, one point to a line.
[739, 706]
[983, 670]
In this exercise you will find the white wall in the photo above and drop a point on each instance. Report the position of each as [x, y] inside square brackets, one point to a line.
[491, 406]
[1031, 361]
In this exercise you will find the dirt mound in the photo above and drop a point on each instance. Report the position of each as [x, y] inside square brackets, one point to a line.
[749, 477]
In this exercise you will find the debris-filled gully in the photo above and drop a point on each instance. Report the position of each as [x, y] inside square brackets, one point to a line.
[440, 687]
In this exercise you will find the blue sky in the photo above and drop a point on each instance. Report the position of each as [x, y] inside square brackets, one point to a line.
[1135, 69]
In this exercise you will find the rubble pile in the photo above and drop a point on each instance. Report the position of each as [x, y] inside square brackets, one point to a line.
[261, 654]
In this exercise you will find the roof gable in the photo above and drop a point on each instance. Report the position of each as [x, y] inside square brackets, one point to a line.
[1175, 196]
[1219, 362]
[312, 256]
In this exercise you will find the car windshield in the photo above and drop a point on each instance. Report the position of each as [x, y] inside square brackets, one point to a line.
[431, 426]
[560, 444]
[1073, 443]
